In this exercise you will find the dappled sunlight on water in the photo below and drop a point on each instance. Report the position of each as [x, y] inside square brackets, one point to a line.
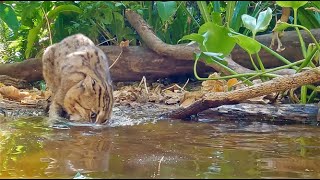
[136, 144]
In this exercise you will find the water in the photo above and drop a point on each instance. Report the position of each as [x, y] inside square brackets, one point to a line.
[136, 144]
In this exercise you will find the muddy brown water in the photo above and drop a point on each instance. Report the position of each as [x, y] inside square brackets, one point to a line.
[138, 144]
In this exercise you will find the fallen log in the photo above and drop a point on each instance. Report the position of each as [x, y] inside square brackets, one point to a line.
[163, 60]
[18, 83]
[290, 42]
[239, 56]
[278, 113]
[134, 63]
[211, 100]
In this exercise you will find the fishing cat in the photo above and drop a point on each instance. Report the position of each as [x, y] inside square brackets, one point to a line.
[77, 74]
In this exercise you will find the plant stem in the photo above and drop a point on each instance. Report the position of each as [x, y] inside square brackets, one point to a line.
[303, 45]
[253, 64]
[312, 95]
[307, 60]
[277, 68]
[281, 58]
[225, 67]
[303, 95]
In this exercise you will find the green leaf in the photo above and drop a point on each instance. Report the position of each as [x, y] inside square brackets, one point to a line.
[308, 19]
[216, 38]
[281, 26]
[211, 57]
[249, 22]
[216, 18]
[292, 4]
[193, 37]
[241, 8]
[230, 10]
[248, 44]
[219, 56]
[62, 8]
[8, 16]
[264, 19]
[216, 6]
[32, 35]
[166, 9]
[260, 24]
[202, 5]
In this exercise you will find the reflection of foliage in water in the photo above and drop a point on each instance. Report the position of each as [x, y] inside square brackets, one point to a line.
[20, 139]
[187, 149]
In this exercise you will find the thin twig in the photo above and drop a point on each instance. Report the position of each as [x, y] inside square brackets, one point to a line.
[116, 59]
[185, 84]
[106, 41]
[175, 85]
[145, 83]
[50, 35]
[160, 165]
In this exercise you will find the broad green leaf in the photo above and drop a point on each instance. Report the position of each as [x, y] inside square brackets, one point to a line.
[216, 38]
[260, 24]
[166, 9]
[216, 6]
[207, 57]
[240, 8]
[308, 18]
[53, 13]
[219, 56]
[107, 19]
[202, 5]
[216, 18]
[292, 4]
[193, 37]
[264, 19]
[249, 22]
[248, 44]
[210, 57]
[117, 25]
[281, 26]
[8, 16]
[31, 14]
[32, 35]
[230, 10]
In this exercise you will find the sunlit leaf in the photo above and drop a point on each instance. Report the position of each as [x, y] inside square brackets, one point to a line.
[62, 8]
[194, 37]
[166, 9]
[8, 16]
[32, 35]
[260, 24]
[281, 26]
[216, 38]
[216, 18]
[249, 22]
[248, 44]
[292, 4]
[211, 57]
[218, 56]
[264, 19]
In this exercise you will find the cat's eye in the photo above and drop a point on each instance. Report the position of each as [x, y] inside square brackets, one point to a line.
[93, 82]
[93, 116]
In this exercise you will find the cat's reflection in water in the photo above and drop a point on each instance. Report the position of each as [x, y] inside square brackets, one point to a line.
[79, 149]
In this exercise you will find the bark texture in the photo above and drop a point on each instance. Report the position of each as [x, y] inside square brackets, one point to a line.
[211, 100]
